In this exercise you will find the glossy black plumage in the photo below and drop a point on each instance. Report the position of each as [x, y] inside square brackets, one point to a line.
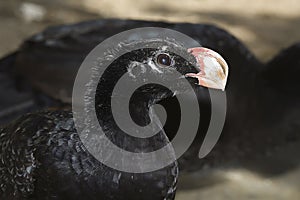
[262, 112]
[42, 156]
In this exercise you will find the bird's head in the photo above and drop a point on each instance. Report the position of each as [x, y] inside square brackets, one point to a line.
[132, 78]
[202, 67]
[161, 73]
[203, 64]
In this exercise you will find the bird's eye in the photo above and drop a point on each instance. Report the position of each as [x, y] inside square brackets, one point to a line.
[164, 60]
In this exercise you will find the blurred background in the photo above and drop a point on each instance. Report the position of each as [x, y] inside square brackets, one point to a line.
[266, 27]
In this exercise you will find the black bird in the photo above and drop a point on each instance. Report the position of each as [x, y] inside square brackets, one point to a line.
[42, 156]
[61, 50]
[259, 106]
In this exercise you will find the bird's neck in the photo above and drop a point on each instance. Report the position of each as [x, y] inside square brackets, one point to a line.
[139, 108]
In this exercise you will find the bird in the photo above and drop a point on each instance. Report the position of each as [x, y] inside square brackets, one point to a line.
[43, 157]
[61, 49]
[253, 89]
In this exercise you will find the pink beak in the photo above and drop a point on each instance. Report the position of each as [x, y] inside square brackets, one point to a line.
[213, 68]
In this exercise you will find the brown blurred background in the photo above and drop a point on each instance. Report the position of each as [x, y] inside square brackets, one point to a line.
[265, 26]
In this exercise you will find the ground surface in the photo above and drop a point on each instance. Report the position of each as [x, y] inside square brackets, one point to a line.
[264, 26]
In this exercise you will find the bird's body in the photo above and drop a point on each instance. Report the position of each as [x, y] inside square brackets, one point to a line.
[42, 157]
[255, 107]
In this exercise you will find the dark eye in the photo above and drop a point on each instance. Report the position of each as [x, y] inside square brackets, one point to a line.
[164, 60]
